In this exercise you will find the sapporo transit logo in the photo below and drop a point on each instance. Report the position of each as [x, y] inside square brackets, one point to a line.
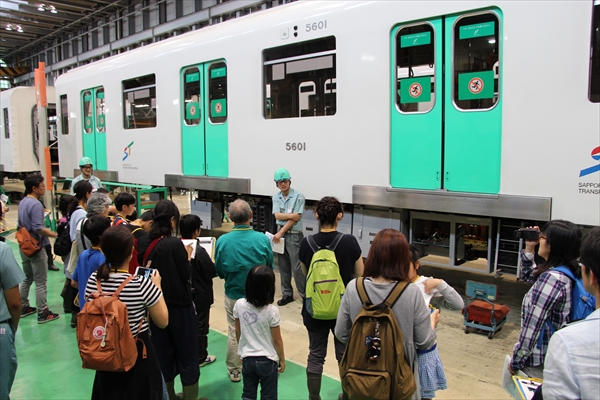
[127, 151]
[596, 156]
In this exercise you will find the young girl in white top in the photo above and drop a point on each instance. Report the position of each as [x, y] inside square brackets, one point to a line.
[259, 336]
[437, 293]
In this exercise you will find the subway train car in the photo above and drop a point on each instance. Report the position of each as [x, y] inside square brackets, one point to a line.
[19, 138]
[450, 120]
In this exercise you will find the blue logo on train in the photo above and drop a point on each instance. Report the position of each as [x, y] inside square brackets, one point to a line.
[596, 168]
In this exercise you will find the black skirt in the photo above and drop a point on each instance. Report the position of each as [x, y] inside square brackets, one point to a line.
[143, 381]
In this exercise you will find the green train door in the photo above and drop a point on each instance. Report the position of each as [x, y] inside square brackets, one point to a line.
[204, 120]
[446, 117]
[94, 126]
[416, 115]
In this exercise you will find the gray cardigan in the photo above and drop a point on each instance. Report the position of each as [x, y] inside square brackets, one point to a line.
[410, 311]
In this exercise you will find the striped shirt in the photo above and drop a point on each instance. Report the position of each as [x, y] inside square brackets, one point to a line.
[548, 298]
[138, 295]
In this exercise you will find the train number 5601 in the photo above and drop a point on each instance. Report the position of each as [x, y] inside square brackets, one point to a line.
[295, 146]
[316, 26]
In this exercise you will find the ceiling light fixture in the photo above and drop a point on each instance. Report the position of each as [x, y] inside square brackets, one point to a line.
[14, 27]
[44, 7]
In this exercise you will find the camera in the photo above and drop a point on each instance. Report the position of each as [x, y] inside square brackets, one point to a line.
[527, 234]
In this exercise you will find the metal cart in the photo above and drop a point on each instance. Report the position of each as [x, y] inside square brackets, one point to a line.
[481, 313]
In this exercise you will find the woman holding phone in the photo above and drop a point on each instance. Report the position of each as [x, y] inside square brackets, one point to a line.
[141, 296]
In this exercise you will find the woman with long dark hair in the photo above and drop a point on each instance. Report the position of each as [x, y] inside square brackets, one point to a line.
[176, 346]
[140, 295]
[547, 304]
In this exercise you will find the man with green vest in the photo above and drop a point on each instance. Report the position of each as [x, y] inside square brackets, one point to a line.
[235, 254]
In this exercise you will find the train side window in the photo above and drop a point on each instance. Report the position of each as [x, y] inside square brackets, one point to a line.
[139, 101]
[64, 114]
[217, 92]
[6, 127]
[191, 95]
[300, 79]
[100, 113]
[476, 61]
[594, 93]
[415, 69]
[87, 112]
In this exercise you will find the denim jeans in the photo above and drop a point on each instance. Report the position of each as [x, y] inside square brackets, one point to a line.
[263, 370]
[36, 270]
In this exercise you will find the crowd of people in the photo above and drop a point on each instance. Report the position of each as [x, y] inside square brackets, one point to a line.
[169, 309]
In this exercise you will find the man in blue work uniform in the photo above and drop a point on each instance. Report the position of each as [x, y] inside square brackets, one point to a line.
[288, 206]
[235, 255]
[86, 167]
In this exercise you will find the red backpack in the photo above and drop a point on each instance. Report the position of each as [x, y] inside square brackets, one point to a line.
[104, 338]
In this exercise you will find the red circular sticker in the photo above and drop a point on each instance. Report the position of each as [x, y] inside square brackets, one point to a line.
[476, 85]
[218, 108]
[98, 332]
[415, 90]
[192, 110]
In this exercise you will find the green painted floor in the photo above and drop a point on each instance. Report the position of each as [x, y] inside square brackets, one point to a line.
[50, 367]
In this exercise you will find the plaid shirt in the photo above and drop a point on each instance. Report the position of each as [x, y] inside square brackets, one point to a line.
[528, 266]
[548, 298]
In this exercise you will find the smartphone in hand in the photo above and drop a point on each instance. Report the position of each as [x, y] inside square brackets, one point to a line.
[145, 272]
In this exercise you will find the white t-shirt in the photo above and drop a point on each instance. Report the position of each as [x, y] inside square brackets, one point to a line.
[256, 338]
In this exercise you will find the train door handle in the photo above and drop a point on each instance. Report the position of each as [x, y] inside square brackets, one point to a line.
[447, 176]
[437, 176]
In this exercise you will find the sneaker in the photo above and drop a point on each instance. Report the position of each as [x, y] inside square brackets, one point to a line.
[209, 360]
[46, 316]
[27, 311]
[285, 300]
[234, 376]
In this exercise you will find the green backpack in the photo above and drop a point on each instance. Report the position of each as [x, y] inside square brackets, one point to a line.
[324, 285]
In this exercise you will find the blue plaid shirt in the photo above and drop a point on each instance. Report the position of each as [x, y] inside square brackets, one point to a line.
[548, 298]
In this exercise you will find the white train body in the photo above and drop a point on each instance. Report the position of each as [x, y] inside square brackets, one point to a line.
[548, 124]
[18, 147]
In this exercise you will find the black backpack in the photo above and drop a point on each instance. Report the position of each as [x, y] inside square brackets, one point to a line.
[62, 245]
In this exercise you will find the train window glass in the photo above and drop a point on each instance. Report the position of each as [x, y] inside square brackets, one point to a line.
[476, 62]
[64, 114]
[191, 94]
[100, 110]
[300, 79]
[415, 69]
[6, 127]
[139, 100]
[217, 92]
[88, 125]
[594, 93]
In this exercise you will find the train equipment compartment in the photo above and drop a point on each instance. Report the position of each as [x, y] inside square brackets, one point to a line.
[19, 136]
[447, 110]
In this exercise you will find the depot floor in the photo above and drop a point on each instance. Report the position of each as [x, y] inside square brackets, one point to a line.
[50, 367]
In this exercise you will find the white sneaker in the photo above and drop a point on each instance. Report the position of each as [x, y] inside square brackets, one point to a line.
[209, 360]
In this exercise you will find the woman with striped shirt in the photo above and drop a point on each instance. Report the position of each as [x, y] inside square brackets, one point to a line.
[140, 295]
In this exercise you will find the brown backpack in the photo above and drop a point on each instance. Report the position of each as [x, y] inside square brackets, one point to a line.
[104, 338]
[374, 365]
[27, 243]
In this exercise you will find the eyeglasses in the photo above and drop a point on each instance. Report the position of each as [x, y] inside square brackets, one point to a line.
[283, 181]
[86, 166]
[543, 237]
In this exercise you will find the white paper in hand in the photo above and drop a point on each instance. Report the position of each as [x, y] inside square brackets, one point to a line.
[190, 242]
[276, 247]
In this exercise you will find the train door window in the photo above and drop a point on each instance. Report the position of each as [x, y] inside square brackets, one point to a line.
[64, 114]
[217, 92]
[88, 116]
[300, 79]
[594, 93]
[6, 127]
[191, 95]
[139, 100]
[100, 112]
[476, 62]
[415, 68]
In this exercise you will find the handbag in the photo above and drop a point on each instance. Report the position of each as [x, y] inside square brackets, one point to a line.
[27, 243]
